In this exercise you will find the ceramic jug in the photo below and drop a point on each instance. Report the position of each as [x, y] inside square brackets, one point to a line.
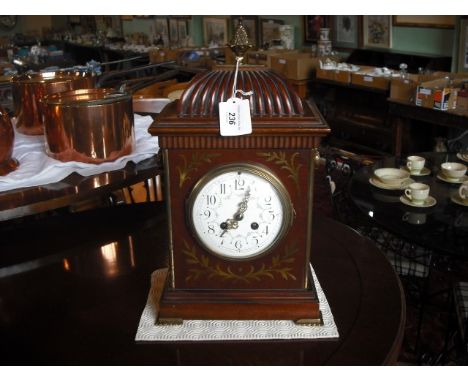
[7, 136]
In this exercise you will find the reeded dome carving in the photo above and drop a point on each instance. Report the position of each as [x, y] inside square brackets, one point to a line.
[272, 96]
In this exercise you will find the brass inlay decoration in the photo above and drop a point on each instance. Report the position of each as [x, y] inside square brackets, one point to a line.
[278, 266]
[191, 166]
[280, 159]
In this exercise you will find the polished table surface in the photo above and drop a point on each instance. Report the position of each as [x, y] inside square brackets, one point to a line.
[74, 188]
[443, 227]
[73, 287]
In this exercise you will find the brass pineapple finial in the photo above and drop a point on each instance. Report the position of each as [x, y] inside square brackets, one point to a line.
[240, 43]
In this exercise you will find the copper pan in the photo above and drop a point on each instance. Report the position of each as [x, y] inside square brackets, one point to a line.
[89, 125]
[30, 88]
[7, 163]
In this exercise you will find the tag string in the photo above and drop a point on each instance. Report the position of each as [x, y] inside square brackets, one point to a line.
[234, 85]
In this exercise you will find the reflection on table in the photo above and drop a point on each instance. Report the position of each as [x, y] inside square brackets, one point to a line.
[74, 188]
[79, 299]
[443, 227]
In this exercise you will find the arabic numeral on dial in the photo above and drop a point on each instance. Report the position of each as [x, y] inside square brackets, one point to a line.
[267, 200]
[207, 214]
[254, 241]
[239, 184]
[222, 188]
[268, 216]
[265, 231]
[210, 200]
[211, 229]
[238, 244]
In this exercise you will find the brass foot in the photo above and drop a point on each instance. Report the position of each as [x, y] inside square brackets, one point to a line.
[310, 321]
[169, 321]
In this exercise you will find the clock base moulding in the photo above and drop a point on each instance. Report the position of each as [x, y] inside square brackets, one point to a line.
[301, 306]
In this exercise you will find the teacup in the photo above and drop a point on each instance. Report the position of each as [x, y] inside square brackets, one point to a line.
[415, 164]
[417, 193]
[453, 170]
[391, 176]
[463, 192]
[414, 218]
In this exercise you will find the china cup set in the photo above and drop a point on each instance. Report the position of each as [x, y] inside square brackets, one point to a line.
[417, 194]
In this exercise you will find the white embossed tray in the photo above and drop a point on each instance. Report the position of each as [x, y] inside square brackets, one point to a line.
[222, 330]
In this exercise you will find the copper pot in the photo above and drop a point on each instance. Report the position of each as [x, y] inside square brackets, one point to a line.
[7, 137]
[89, 125]
[30, 88]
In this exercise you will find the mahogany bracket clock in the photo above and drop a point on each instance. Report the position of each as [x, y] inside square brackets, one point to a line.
[239, 208]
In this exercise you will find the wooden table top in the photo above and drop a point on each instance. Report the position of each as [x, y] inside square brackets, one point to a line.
[78, 300]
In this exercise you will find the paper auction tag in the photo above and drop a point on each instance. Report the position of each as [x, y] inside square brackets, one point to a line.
[234, 117]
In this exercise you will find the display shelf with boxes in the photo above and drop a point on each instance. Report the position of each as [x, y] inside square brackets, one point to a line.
[355, 103]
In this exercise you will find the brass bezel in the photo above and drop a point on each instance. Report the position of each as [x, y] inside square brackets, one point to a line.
[255, 169]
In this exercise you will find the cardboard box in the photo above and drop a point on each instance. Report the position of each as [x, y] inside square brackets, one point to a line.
[462, 100]
[462, 104]
[296, 66]
[343, 76]
[301, 87]
[404, 89]
[363, 78]
[326, 74]
[162, 55]
[263, 57]
[437, 94]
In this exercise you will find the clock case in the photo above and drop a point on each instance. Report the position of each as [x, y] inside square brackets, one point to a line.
[286, 133]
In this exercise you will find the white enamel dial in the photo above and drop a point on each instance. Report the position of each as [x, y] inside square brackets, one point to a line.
[239, 211]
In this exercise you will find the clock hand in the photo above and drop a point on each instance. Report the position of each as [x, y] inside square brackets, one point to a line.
[238, 216]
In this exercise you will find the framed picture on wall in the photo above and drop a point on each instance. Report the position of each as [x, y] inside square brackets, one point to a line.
[173, 31]
[182, 30]
[346, 31]
[250, 24]
[74, 19]
[463, 47]
[312, 25]
[377, 31]
[161, 29]
[270, 31]
[425, 21]
[215, 30]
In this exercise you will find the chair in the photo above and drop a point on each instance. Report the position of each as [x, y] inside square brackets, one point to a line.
[460, 310]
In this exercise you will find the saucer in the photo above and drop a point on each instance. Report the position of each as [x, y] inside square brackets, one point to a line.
[459, 180]
[463, 157]
[424, 171]
[456, 199]
[377, 183]
[429, 202]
